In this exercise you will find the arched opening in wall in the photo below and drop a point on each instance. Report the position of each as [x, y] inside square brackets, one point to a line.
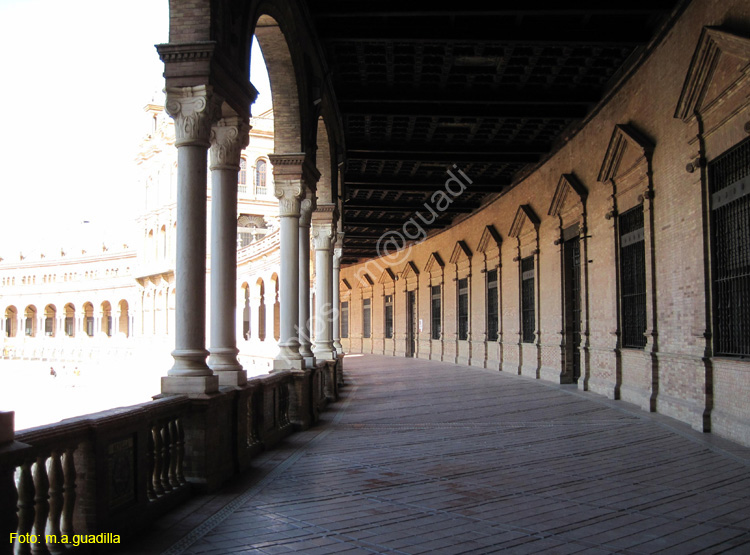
[245, 311]
[123, 324]
[149, 243]
[88, 319]
[276, 308]
[70, 320]
[106, 310]
[261, 169]
[163, 241]
[171, 309]
[261, 310]
[29, 327]
[50, 320]
[270, 49]
[160, 319]
[11, 321]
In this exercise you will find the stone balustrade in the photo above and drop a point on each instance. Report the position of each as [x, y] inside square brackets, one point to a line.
[117, 471]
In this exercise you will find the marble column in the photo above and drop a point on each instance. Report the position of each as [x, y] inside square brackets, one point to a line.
[228, 137]
[291, 172]
[324, 234]
[306, 209]
[336, 299]
[194, 110]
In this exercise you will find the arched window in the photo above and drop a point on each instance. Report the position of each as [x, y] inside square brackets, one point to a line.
[242, 179]
[260, 177]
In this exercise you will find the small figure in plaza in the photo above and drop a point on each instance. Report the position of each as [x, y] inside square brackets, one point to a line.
[52, 372]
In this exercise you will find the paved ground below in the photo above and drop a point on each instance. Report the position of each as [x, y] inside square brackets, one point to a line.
[426, 457]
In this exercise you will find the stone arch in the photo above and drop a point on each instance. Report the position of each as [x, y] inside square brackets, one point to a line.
[123, 321]
[88, 319]
[11, 321]
[261, 296]
[246, 311]
[50, 320]
[106, 318]
[30, 320]
[282, 75]
[69, 311]
[325, 163]
[261, 176]
[276, 307]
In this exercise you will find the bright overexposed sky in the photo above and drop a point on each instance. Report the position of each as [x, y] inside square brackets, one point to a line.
[75, 78]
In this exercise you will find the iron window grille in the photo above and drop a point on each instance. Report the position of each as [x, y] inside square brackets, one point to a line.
[242, 178]
[435, 311]
[729, 185]
[528, 300]
[366, 321]
[633, 278]
[389, 316]
[463, 309]
[344, 320]
[493, 306]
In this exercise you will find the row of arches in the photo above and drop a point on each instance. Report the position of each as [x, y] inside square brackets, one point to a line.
[67, 321]
[66, 277]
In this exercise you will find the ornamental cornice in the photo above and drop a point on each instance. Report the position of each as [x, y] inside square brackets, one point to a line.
[295, 166]
[186, 51]
[228, 137]
[194, 110]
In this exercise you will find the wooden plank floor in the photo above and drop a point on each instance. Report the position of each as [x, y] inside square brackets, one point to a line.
[426, 457]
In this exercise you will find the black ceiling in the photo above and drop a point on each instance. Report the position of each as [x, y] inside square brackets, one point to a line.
[492, 90]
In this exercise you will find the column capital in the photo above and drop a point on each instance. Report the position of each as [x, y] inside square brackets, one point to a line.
[324, 234]
[307, 206]
[290, 193]
[228, 137]
[194, 110]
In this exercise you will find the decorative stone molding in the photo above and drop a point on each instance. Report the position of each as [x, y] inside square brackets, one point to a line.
[524, 214]
[460, 248]
[490, 240]
[434, 262]
[387, 276]
[712, 44]
[194, 110]
[568, 183]
[615, 163]
[295, 166]
[228, 137]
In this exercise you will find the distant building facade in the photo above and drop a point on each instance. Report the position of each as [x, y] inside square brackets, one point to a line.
[76, 303]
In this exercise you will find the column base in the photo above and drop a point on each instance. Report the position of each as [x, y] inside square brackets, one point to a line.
[280, 364]
[189, 363]
[236, 378]
[190, 385]
[325, 354]
[307, 355]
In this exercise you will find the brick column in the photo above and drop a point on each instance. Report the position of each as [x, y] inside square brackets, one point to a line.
[194, 110]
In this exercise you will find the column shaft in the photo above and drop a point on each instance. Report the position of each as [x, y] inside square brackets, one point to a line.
[324, 232]
[228, 138]
[336, 299]
[305, 343]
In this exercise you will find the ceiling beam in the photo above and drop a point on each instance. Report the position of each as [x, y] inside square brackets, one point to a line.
[426, 8]
[465, 109]
[357, 149]
[493, 96]
[416, 185]
[410, 207]
[526, 33]
[448, 158]
[386, 224]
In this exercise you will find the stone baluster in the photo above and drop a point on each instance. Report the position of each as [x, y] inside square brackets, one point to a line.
[228, 138]
[194, 110]
[41, 504]
[165, 462]
[69, 492]
[150, 467]
[25, 507]
[180, 443]
[172, 427]
[56, 497]
[158, 460]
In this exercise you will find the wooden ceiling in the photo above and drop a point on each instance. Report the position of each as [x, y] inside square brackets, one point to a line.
[491, 90]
